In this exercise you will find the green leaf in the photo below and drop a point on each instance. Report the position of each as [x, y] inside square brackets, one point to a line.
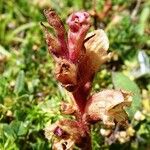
[121, 81]
[3, 88]
[19, 86]
[19, 128]
[8, 131]
[4, 52]
[143, 20]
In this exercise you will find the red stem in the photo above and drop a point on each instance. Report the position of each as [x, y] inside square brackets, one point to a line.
[80, 96]
[80, 100]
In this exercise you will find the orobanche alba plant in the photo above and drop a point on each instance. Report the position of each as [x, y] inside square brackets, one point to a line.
[78, 56]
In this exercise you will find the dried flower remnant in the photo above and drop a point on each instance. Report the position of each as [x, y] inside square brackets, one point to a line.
[78, 55]
[67, 108]
[66, 73]
[108, 106]
[57, 44]
[66, 133]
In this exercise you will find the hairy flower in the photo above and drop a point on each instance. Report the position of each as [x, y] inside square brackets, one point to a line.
[96, 44]
[108, 106]
[79, 23]
[65, 133]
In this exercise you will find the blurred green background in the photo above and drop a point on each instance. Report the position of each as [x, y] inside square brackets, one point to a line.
[29, 94]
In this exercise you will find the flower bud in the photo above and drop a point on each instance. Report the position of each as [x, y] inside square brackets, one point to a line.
[105, 132]
[130, 131]
[78, 23]
[139, 116]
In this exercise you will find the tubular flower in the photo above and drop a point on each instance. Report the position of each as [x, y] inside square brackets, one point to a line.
[78, 23]
[66, 133]
[108, 106]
